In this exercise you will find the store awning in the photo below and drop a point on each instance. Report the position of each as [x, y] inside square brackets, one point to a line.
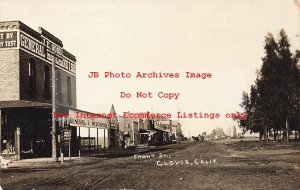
[23, 104]
[160, 129]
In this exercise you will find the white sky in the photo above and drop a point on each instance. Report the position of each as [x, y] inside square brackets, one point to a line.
[224, 38]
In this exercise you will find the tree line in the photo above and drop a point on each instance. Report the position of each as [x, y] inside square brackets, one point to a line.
[273, 104]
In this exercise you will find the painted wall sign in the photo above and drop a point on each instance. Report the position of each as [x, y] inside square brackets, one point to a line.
[46, 50]
[8, 39]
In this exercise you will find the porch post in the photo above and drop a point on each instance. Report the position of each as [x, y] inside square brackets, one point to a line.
[89, 141]
[104, 143]
[18, 144]
[79, 139]
[97, 142]
[0, 132]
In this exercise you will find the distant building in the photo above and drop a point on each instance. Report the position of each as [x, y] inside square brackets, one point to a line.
[176, 131]
[163, 131]
[150, 131]
[135, 129]
[234, 133]
[113, 131]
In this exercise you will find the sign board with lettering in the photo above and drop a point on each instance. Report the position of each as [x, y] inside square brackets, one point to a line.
[32, 45]
[84, 119]
[46, 50]
[8, 39]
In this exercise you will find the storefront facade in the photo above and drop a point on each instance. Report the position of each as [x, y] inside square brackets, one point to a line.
[163, 131]
[86, 144]
[26, 58]
[146, 131]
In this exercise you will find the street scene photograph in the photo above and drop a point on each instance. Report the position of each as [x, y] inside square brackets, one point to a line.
[147, 95]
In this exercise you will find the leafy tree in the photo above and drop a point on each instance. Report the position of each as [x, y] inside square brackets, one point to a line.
[274, 100]
[288, 97]
[269, 87]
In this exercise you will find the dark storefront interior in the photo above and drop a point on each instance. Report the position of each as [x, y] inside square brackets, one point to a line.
[35, 127]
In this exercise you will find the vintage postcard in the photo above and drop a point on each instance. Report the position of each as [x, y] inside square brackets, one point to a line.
[149, 94]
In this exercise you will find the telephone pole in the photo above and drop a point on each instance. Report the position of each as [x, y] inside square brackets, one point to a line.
[54, 146]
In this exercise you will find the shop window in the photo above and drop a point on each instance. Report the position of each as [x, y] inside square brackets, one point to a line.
[46, 80]
[69, 92]
[32, 74]
[58, 86]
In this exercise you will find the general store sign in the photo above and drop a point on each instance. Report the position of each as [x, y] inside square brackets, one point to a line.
[76, 119]
[46, 50]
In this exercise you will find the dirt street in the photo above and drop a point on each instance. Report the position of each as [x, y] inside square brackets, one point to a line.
[227, 164]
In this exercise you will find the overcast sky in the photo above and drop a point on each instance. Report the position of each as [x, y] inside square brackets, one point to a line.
[225, 38]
